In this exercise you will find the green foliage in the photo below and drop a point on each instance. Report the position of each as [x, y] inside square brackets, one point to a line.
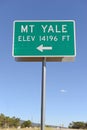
[47, 126]
[26, 124]
[78, 125]
[6, 121]
[2, 120]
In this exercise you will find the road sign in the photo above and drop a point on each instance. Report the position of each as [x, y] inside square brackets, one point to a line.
[54, 39]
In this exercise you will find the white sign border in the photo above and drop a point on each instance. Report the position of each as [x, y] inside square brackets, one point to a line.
[36, 56]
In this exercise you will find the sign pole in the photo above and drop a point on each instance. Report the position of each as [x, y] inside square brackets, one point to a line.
[43, 93]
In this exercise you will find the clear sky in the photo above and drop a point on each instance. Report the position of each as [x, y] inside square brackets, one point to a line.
[20, 83]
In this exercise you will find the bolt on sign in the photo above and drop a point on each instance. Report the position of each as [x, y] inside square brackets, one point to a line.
[35, 39]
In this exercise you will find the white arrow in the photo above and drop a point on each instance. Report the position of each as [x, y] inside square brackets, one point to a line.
[41, 48]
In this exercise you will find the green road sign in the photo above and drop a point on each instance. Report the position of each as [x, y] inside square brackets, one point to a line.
[44, 38]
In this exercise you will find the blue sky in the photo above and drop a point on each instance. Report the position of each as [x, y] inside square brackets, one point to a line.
[20, 83]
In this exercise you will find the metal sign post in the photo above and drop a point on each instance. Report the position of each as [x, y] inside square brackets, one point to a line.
[43, 93]
[44, 40]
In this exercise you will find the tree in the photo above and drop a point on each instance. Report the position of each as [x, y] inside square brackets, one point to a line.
[2, 120]
[26, 124]
[77, 125]
[6, 121]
